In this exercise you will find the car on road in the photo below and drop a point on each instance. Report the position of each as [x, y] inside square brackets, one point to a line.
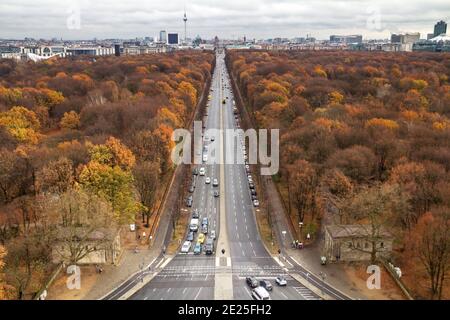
[209, 246]
[254, 197]
[253, 192]
[205, 158]
[213, 138]
[251, 282]
[201, 238]
[216, 194]
[202, 171]
[195, 171]
[208, 180]
[266, 285]
[212, 234]
[197, 248]
[204, 229]
[247, 168]
[215, 183]
[205, 221]
[186, 247]
[190, 236]
[281, 281]
[192, 188]
[189, 201]
[193, 226]
[224, 101]
[260, 293]
[255, 203]
[251, 185]
[195, 214]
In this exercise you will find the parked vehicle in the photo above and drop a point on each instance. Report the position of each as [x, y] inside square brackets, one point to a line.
[255, 203]
[195, 171]
[195, 214]
[192, 188]
[190, 236]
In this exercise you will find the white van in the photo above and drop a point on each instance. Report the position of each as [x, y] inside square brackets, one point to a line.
[193, 226]
[260, 293]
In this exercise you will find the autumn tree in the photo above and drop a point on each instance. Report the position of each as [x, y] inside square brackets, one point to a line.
[70, 120]
[21, 123]
[56, 176]
[147, 182]
[303, 186]
[6, 290]
[86, 224]
[429, 241]
[112, 184]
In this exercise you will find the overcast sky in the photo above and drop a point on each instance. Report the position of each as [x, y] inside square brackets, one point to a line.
[225, 18]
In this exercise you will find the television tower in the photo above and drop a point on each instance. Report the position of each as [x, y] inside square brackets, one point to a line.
[185, 29]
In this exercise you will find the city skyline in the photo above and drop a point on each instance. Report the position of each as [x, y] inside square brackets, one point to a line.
[87, 20]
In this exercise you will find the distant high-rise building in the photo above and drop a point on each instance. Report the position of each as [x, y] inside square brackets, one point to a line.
[440, 28]
[117, 50]
[172, 38]
[163, 36]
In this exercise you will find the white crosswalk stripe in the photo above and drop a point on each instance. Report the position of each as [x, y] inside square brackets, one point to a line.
[306, 293]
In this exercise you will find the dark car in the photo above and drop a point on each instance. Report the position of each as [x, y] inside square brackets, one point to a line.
[253, 192]
[216, 194]
[254, 197]
[251, 282]
[195, 214]
[189, 201]
[252, 185]
[266, 285]
[195, 171]
[190, 236]
[209, 246]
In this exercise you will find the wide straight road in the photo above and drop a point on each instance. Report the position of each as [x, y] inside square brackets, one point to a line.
[192, 277]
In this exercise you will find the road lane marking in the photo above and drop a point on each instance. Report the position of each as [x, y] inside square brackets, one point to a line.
[284, 295]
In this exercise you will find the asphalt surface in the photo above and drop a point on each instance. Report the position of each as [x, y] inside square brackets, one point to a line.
[191, 277]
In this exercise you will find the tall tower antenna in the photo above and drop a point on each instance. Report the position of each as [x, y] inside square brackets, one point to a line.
[185, 22]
